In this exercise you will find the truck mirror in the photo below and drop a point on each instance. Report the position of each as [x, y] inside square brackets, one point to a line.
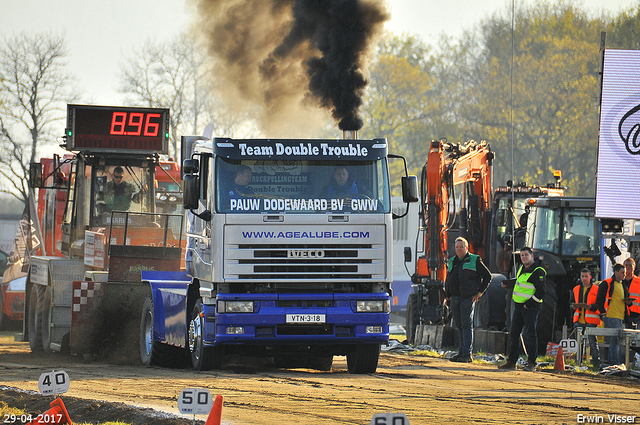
[35, 175]
[407, 254]
[190, 166]
[190, 191]
[409, 189]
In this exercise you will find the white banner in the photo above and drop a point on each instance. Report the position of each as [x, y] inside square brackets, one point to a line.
[618, 174]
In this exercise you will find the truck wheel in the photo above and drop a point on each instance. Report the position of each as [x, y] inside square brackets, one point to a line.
[546, 318]
[202, 357]
[46, 321]
[36, 309]
[154, 352]
[321, 363]
[363, 358]
[413, 317]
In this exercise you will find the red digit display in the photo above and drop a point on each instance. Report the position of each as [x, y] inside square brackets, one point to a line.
[135, 121]
[151, 128]
[106, 128]
[117, 122]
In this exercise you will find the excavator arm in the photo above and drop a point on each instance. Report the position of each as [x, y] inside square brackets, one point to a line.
[456, 201]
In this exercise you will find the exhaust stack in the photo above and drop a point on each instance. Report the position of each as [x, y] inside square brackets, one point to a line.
[350, 134]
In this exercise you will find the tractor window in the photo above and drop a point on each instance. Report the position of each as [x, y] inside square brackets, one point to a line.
[579, 236]
[121, 188]
[543, 231]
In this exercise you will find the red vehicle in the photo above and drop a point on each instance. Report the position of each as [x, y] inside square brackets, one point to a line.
[45, 237]
[168, 188]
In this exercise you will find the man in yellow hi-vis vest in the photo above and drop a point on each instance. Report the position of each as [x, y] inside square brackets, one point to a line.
[528, 291]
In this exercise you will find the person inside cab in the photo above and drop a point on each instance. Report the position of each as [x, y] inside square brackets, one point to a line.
[118, 194]
[342, 185]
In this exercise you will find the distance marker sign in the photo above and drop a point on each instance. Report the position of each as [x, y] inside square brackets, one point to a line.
[56, 382]
[195, 401]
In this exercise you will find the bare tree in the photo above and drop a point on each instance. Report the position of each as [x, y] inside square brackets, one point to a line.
[34, 88]
[178, 75]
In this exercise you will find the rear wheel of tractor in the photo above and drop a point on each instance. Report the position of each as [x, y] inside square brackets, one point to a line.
[153, 352]
[34, 315]
[413, 317]
[323, 363]
[546, 318]
[46, 321]
[363, 358]
[202, 357]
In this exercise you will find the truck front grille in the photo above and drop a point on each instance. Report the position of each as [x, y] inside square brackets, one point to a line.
[318, 262]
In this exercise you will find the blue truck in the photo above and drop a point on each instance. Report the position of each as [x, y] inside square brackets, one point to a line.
[288, 255]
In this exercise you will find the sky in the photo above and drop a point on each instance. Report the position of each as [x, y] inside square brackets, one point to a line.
[101, 34]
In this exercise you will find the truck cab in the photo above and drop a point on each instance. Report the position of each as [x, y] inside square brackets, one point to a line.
[289, 247]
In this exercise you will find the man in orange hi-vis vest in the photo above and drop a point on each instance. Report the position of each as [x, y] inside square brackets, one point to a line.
[633, 282]
[583, 301]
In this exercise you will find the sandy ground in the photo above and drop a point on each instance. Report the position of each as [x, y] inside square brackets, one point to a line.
[427, 390]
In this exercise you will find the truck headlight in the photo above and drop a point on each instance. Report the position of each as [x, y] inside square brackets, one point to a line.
[373, 306]
[235, 306]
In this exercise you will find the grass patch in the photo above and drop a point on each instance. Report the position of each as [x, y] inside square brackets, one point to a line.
[13, 412]
[399, 337]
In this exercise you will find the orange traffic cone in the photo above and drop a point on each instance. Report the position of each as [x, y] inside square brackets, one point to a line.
[559, 360]
[54, 416]
[215, 416]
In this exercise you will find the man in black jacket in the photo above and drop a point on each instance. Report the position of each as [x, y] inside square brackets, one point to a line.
[528, 291]
[467, 279]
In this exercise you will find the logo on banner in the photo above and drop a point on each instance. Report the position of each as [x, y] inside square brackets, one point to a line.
[629, 129]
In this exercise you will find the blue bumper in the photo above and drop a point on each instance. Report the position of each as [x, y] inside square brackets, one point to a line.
[268, 325]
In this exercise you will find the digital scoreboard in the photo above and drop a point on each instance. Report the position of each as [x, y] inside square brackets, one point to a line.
[110, 128]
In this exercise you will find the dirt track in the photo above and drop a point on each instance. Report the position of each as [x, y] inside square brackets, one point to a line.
[427, 390]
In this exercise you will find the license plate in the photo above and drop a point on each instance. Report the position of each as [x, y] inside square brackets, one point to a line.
[306, 318]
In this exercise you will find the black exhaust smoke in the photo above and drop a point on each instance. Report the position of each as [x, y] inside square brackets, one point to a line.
[281, 52]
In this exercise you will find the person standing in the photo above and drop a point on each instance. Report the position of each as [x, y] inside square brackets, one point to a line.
[528, 292]
[633, 283]
[467, 279]
[612, 308]
[586, 317]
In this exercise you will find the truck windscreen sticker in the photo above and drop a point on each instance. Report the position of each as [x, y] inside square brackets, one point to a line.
[304, 149]
[257, 204]
[307, 235]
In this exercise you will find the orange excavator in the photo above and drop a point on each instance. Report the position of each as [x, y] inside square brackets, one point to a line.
[455, 201]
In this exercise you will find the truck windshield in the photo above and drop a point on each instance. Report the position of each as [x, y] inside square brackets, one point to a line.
[306, 186]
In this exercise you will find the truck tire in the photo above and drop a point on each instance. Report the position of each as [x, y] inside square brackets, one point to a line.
[323, 363]
[363, 358]
[202, 357]
[34, 315]
[154, 352]
[46, 321]
[413, 317]
[546, 318]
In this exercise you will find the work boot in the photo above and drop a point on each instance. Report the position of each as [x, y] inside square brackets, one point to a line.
[464, 359]
[509, 365]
